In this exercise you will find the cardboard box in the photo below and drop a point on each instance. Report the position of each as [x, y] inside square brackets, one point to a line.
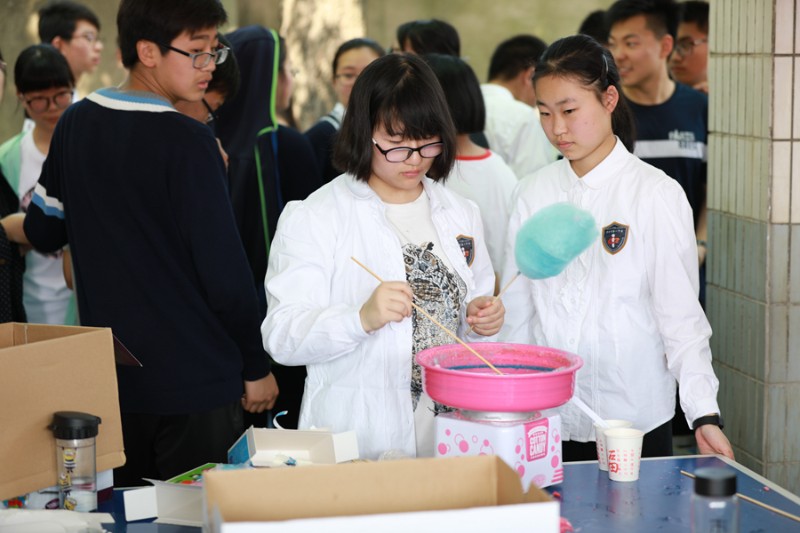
[178, 500]
[47, 369]
[531, 447]
[272, 447]
[456, 494]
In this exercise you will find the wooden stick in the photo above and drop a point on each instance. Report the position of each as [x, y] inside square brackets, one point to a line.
[756, 502]
[421, 310]
[499, 294]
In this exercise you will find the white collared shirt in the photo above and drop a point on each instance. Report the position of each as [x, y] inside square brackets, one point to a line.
[514, 131]
[633, 315]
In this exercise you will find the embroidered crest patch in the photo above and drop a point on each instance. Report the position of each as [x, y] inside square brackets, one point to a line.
[615, 235]
[467, 245]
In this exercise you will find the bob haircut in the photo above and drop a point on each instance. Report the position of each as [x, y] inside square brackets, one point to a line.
[583, 59]
[354, 44]
[160, 22]
[60, 17]
[400, 93]
[462, 91]
[40, 67]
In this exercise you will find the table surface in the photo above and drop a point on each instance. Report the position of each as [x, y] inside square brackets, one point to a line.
[659, 501]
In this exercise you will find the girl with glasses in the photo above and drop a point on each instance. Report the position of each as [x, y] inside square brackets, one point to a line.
[357, 335]
[45, 86]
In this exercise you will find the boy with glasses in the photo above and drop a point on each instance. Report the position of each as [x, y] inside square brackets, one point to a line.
[74, 30]
[689, 62]
[140, 190]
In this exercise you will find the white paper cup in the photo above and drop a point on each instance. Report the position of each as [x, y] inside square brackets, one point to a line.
[624, 449]
[600, 439]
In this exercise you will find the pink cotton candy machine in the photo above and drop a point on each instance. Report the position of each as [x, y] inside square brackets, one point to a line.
[534, 377]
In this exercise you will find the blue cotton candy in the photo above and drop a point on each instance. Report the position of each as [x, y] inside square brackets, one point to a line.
[551, 238]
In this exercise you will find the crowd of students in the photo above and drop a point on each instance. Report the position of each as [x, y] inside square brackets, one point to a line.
[185, 212]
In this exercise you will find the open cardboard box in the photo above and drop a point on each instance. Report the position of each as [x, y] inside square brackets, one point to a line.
[171, 502]
[44, 369]
[462, 494]
[271, 447]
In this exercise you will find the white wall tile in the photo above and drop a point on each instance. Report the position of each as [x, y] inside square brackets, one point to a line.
[796, 111]
[784, 26]
[782, 98]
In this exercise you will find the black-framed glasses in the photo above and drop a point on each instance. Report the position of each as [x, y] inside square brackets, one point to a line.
[40, 104]
[685, 46]
[402, 153]
[212, 115]
[202, 59]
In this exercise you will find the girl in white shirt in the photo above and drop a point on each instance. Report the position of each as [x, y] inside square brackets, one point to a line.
[628, 304]
[356, 335]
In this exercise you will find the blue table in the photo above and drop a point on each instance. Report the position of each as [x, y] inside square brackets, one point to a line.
[661, 498]
[659, 501]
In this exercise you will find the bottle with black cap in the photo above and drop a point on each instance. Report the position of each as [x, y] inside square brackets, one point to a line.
[715, 506]
[76, 461]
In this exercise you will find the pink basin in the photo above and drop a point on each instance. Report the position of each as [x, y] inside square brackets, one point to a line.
[534, 377]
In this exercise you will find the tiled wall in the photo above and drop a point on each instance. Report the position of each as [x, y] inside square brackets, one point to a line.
[753, 298]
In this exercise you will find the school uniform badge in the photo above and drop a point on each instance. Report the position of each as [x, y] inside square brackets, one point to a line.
[615, 235]
[467, 245]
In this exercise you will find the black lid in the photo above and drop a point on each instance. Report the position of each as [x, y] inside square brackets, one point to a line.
[74, 425]
[713, 481]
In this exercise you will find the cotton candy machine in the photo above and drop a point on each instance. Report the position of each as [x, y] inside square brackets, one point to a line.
[508, 415]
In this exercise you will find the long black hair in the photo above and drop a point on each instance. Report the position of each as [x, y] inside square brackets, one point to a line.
[582, 58]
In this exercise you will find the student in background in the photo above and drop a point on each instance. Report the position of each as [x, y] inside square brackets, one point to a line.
[140, 190]
[269, 166]
[512, 122]
[628, 304]
[12, 262]
[358, 336]
[431, 36]
[45, 86]
[479, 174]
[594, 25]
[689, 60]
[74, 30]
[350, 59]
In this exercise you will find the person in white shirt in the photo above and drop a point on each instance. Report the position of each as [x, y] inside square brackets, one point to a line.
[628, 304]
[356, 335]
[512, 122]
[479, 174]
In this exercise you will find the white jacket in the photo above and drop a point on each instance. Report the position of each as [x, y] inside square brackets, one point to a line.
[633, 316]
[356, 381]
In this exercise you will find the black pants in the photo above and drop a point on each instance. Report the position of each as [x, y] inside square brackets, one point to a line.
[656, 443]
[163, 446]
